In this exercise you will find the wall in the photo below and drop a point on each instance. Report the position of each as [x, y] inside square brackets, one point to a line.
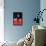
[29, 8]
[1, 20]
[43, 6]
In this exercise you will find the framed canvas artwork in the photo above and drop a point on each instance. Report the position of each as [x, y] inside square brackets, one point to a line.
[17, 18]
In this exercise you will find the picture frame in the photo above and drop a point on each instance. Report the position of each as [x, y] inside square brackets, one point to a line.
[17, 18]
